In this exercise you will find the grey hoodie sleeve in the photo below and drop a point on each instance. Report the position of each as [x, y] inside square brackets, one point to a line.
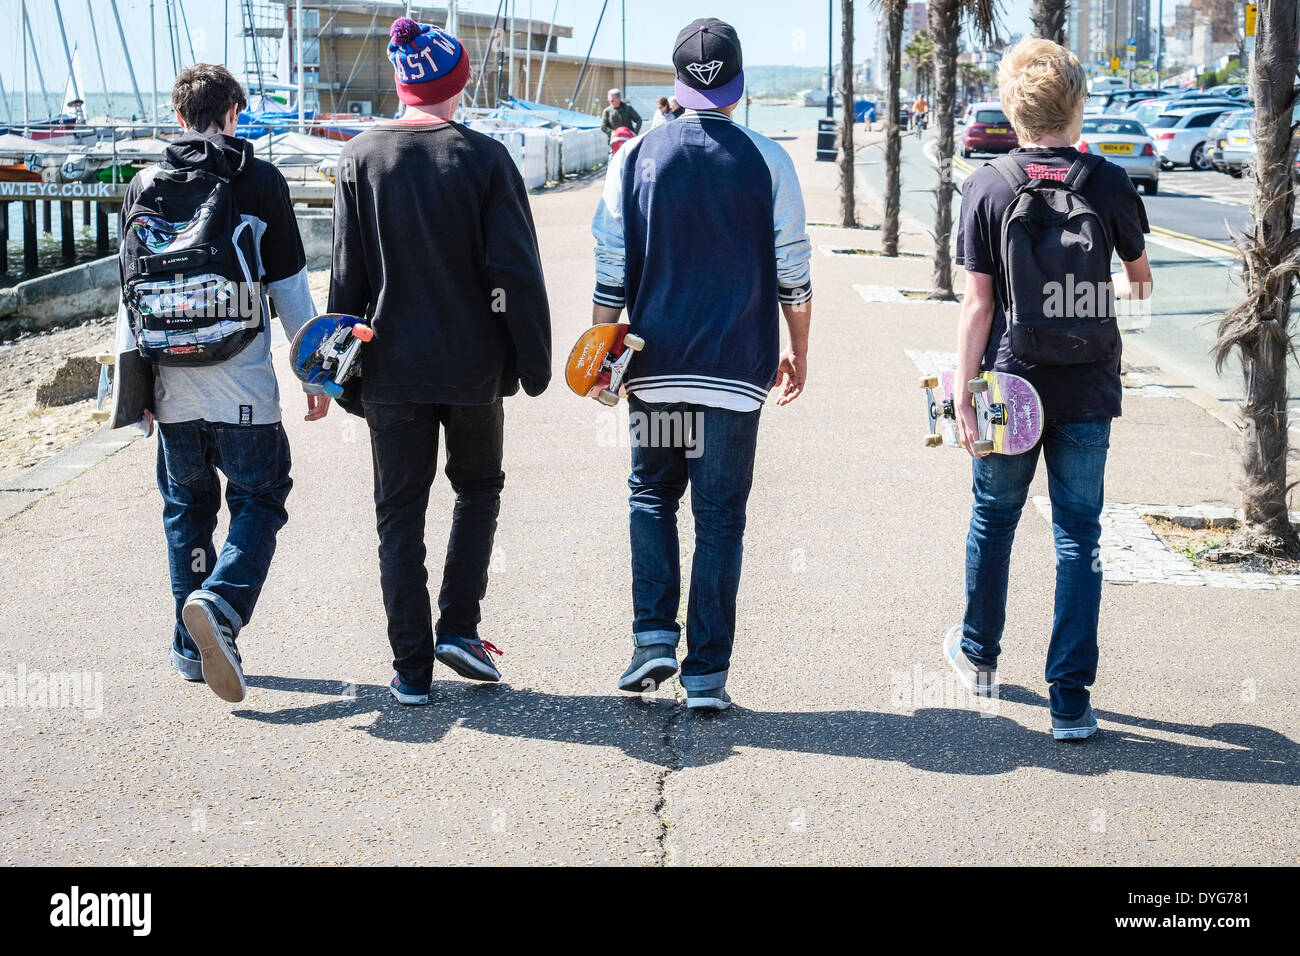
[793, 248]
[607, 228]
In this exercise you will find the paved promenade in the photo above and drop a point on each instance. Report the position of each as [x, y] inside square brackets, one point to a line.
[849, 744]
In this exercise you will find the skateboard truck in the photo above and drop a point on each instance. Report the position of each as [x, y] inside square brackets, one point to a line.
[944, 409]
[617, 368]
[338, 356]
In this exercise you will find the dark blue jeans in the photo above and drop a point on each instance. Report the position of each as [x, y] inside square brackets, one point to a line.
[404, 451]
[255, 460]
[713, 450]
[1075, 453]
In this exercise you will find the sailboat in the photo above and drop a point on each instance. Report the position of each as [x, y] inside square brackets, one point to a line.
[73, 113]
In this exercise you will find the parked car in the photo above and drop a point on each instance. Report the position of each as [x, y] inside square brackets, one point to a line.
[1234, 90]
[1125, 143]
[1117, 101]
[1100, 84]
[1215, 137]
[1238, 150]
[1180, 135]
[989, 131]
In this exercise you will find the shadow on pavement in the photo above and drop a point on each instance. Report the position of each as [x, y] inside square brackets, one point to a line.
[941, 740]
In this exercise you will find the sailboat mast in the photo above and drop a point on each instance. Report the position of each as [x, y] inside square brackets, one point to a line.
[26, 110]
[153, 45]
[99, 58]
[546, 51]
[297, 27]
[63, 35]
[130, 67]
[36, 58]
[510, 74]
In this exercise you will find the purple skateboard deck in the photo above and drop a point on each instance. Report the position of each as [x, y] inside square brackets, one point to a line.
[1008, 412]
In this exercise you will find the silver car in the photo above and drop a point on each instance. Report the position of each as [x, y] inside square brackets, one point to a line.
[1238, 150]
[1125, 143]
[1180, 135]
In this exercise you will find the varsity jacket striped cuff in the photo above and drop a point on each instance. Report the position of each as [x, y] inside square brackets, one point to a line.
[609, 295]
[796, 294]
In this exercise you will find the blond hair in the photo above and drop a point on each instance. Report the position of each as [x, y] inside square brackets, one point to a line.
[1042, 87]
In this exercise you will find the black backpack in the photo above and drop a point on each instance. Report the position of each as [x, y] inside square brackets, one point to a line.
[186, 262]
[1055, 285]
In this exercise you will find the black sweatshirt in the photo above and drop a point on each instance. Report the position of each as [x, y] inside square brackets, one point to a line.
[434, 242]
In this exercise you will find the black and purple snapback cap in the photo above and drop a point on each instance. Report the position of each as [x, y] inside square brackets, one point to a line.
[707, 59]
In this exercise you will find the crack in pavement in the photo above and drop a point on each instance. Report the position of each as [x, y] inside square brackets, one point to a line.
[666, 856]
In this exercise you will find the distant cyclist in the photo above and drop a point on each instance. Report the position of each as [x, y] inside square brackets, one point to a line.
[920, 113]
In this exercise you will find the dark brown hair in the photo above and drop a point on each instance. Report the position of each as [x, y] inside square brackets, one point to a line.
[204, 93]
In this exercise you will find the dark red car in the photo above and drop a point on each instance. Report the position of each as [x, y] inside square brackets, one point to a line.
[987, 131]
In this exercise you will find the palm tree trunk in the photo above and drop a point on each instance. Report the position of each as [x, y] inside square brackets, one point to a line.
[894, 11]
[945, 27]
[848, 214]
[1259, 327]
[1049, 20]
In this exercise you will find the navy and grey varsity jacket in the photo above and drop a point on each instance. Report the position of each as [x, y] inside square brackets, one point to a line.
[700, 234]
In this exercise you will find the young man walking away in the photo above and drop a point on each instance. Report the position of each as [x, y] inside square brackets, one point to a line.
[1070, 352]
[700, 234]
[207, 235]
[434, 244]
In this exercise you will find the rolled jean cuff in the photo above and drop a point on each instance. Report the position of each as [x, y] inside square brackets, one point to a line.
[704, 681]
[647, 638]
[234, 619]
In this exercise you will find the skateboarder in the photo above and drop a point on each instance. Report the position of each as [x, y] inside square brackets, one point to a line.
[700, 235]
[224, 415]
[434, 244]
[1042, 87]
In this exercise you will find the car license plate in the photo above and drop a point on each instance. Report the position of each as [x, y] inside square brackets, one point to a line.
[1124, 148]
[996, 129]
[1240, 140]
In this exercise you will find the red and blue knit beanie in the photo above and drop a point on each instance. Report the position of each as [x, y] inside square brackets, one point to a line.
[429, 65]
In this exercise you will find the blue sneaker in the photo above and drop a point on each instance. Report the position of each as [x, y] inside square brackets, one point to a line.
[715, 698]
[222, 668]
[651, 666]
[408, 693]
[469, 657]
[1075, 728]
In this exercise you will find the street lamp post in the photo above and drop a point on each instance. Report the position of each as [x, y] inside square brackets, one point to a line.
[830, 53]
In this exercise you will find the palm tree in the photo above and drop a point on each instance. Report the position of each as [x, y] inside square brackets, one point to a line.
[1259, 327]
[1049, 20]
[893, 12]
[945, 26]
[920, 55]
[848, 215]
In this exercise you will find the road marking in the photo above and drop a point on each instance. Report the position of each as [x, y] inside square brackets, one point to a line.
[1209, 249]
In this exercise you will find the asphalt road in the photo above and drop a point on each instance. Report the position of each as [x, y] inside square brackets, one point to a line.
[1192, 220]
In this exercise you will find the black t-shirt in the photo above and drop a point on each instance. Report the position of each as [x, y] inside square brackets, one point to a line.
[1069, 392]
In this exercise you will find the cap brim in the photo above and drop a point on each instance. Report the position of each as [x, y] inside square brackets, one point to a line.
[693, 99]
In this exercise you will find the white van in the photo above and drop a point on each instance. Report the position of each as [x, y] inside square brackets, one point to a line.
[1104, 84]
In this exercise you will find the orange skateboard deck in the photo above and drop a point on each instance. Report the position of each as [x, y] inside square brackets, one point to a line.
[599, 360]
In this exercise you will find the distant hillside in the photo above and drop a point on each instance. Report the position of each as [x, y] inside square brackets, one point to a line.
[783, 80]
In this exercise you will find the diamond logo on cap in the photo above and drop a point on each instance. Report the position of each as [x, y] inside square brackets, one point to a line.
[704, 72]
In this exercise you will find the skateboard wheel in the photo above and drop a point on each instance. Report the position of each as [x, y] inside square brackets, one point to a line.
[363, 332]
[930, 381]
[332, 389]
[606, 397]
[977, 385]
[634, 342]
[933, 441]
[983, 446]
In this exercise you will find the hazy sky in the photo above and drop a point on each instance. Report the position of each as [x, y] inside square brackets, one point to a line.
[771, 31]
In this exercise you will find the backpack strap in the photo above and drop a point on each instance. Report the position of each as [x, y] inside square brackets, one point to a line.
[1011, 171]
[1080, 170]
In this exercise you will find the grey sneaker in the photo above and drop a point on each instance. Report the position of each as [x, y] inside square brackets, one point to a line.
[715, 698]
[222, 668]
[1075, 728]
[651, 666]
[980, 679]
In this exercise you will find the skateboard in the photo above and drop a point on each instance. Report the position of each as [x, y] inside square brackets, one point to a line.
[125, 393]
[326, 351]
[599, 361]
[1008, 412]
